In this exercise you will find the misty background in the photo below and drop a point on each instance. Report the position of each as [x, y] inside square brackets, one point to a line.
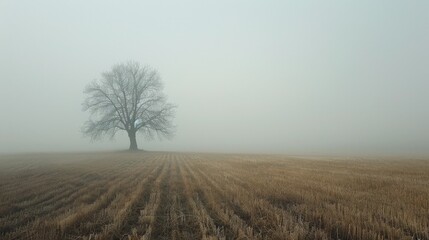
[302, 77]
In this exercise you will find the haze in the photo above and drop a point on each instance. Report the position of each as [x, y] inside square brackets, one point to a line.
[302, 77]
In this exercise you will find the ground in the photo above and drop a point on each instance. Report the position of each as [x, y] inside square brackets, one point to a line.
[162, 195]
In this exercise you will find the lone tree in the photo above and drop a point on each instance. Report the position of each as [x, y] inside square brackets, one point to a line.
[129, 97]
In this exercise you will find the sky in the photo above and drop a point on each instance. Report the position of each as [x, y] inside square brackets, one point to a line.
[292, 77]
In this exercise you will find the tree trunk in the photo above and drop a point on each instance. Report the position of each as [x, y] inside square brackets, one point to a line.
[133, 141]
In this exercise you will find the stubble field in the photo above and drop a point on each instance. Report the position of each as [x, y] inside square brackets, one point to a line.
[149, 195]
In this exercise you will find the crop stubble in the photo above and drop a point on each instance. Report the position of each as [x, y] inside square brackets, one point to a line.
[151, 195]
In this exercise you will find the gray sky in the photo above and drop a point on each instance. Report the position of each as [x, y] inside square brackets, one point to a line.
[301, 77]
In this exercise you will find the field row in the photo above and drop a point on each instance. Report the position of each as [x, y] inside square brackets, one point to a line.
[211, 196]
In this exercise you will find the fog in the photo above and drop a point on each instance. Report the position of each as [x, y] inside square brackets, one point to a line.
[301, 77]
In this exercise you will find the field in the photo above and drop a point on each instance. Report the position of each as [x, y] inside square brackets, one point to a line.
[149, 195]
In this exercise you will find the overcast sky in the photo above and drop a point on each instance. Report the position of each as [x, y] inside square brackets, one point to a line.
[295, 77]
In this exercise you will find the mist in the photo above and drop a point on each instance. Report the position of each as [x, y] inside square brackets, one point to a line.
[302, 77]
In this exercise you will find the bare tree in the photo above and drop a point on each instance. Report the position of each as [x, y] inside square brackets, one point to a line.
[129, 97]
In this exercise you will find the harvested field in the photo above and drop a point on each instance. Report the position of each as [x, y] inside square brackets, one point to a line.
[149, 195]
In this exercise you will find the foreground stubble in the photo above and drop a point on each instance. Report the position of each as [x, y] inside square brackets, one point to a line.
[149, 195]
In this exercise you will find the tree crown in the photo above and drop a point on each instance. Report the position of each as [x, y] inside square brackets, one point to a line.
[128, 97]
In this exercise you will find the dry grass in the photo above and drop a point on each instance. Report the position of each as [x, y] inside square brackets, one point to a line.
[211, 196]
